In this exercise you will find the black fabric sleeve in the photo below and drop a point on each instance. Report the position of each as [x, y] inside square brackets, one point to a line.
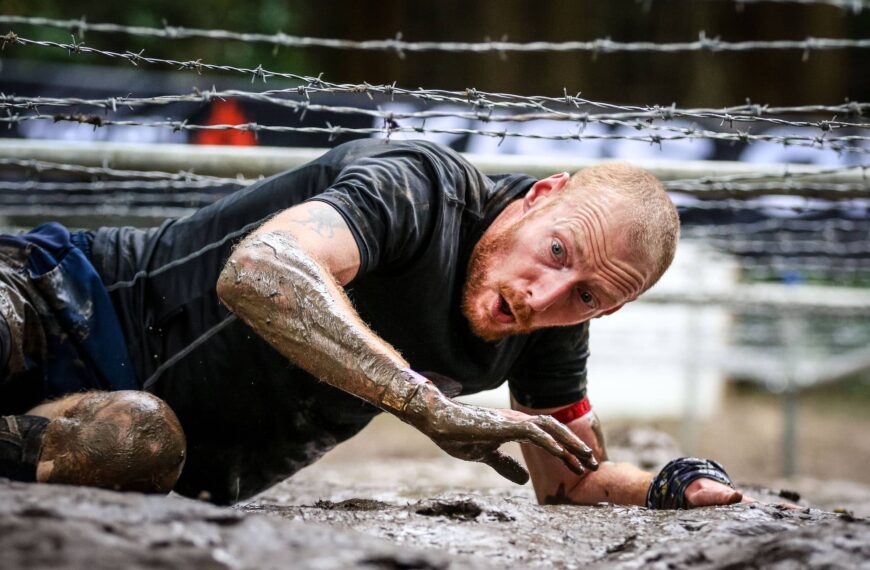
[388, 203]
[551, 371]
[5, 345]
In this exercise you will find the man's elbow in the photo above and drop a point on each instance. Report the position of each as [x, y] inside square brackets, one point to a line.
[231, 282]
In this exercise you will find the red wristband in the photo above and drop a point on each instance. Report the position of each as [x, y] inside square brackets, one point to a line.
[573, 411]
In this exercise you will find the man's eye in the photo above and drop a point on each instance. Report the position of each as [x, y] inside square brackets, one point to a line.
[557, 249]
[587, 298]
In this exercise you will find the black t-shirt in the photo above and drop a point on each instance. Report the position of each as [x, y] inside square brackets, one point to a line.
[415, 209]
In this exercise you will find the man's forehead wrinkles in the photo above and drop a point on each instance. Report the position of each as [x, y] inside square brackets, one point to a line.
[607, 272]
[619, 280]
[593, 218]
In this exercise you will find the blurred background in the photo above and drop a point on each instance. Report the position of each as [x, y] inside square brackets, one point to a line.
[755, 348]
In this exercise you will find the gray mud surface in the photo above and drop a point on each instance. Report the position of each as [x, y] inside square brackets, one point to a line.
[59, 527]
[309, 525]
[418, 509]
[507, 529]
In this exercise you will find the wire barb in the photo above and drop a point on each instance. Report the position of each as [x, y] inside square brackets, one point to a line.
[401, 47]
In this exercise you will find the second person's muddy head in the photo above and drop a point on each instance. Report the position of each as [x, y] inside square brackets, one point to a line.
[571, 249]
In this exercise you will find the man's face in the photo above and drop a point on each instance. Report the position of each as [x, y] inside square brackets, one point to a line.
[562, 262]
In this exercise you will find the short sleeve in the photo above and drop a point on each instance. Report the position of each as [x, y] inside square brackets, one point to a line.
[388, 203]
[551, 370]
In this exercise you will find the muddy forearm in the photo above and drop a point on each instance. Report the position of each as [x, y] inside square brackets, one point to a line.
[295, 304]
[292, 302]
[618, 483]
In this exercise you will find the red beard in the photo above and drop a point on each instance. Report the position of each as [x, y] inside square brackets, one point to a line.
[484, 256]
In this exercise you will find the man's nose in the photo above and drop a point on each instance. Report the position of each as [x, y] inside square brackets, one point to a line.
[547, 290]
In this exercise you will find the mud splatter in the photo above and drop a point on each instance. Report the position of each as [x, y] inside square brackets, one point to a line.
[464, 509]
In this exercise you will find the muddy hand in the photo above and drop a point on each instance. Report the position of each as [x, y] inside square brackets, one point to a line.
[475, 434]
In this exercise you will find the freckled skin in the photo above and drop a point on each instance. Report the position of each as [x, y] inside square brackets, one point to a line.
[290, 300]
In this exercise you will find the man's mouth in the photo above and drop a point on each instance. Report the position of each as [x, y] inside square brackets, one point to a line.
[502, 311]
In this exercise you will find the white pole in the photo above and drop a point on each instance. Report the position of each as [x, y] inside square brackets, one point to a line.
[252, 162]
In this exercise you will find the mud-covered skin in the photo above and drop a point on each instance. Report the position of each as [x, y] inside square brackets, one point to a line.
[475, 434]
[292, 302]
[125, 440]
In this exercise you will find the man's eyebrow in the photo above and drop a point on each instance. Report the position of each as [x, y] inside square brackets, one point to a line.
[603, 289]
[575, 240]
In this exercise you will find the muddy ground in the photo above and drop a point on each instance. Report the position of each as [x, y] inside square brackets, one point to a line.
[415, 508]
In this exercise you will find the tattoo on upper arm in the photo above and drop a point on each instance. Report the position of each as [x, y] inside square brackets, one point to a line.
[322, 221]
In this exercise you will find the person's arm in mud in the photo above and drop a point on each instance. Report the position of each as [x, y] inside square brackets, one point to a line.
[617, 483]
[285, 281]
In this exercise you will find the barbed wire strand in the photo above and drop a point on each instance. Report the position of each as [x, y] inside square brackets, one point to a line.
[96, 210]
[841, 144]
[827, 226]
[640, 120]
[795, 205]
[400, 47]
[791, 247]
[657, 112]
[100, 186]
[691, 187]
[191, 199]
[316, 85]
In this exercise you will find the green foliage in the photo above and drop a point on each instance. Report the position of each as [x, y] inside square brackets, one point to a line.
[262, 16]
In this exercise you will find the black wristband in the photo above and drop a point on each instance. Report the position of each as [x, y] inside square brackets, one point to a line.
[668, 489]
[21, 446]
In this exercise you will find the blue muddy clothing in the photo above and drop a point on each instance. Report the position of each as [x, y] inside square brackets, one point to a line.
[81, 346]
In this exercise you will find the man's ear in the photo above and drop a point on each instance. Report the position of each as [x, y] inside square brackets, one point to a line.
[549, 186]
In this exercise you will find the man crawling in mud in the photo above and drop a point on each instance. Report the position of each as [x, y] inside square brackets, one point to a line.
[246, 340]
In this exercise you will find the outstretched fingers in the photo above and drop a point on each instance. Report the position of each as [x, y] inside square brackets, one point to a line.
[568, 439]
[538, 436]
[506, 466]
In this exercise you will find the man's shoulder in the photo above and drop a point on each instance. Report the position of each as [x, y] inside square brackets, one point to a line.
[362, 148]
[443, 159]
[426, 168]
